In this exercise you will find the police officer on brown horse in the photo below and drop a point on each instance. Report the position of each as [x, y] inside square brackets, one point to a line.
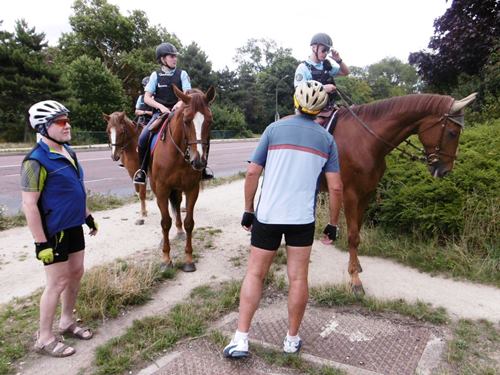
[159, 95]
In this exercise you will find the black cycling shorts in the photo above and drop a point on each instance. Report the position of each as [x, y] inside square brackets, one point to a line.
[66, 242]
[268, 236]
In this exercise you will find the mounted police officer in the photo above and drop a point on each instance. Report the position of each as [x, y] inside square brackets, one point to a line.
[143, 111]
[160, 95]
[318, 68]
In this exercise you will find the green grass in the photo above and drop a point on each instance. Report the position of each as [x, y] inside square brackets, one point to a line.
[151, 336]
[341, 295]
[474, 347]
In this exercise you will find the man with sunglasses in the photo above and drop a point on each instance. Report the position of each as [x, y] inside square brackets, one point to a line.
[318, 67]
[159, 94]
[54, 202]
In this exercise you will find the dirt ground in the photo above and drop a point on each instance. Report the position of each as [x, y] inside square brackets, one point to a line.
[220, 208]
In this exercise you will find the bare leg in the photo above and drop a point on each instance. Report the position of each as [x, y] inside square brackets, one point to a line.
[251, 290]
[298, 293]
[70, 293]
[57, 279]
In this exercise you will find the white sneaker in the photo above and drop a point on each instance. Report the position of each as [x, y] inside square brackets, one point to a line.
[291, 346]
[237, 349]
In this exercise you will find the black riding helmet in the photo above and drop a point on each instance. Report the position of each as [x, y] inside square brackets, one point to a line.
[165, 49]
[323, 39]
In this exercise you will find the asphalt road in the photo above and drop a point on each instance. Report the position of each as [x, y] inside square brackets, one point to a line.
[102, 175]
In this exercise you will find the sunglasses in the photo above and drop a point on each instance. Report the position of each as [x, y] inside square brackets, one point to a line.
[60, 122]
[325, 49]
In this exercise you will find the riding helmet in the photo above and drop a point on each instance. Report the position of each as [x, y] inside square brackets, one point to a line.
[165, 49]
[323, 39]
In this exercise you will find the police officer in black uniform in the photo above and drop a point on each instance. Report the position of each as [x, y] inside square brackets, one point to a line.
[160, 95]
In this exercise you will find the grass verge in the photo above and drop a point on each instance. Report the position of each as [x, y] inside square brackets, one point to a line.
[105, 292]
[454, 258]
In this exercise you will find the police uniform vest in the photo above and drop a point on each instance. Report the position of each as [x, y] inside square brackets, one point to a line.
[143, 119]
[62, 200]
[164, 92]
[321, 75]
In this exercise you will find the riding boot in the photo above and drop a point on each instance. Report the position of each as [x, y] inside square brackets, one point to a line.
[141, 174]
[207, 174]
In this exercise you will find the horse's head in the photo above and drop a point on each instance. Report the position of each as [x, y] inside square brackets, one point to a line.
[118, 135]
[440, 134]
[197, 118]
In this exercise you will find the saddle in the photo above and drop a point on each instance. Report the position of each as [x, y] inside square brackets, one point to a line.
[156, 124]
[327, 119]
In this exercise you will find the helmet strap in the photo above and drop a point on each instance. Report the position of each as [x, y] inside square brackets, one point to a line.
[46, 135]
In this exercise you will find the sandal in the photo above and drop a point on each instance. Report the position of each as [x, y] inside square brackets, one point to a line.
[56, 348]
[77, 332]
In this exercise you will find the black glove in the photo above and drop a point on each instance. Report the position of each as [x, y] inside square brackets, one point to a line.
[247, 219]
[44, 252]
[332, 231]
[89, 220]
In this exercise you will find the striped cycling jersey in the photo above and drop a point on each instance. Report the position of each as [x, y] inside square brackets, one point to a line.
[294, 151]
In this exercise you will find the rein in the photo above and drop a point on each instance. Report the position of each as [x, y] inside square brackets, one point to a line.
[185, 154]
[431, 158]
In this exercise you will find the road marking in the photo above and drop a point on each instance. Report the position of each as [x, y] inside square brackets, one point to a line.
[11, 175]
[100, 179]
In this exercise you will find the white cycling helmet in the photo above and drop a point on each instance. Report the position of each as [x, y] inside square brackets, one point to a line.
[42, 113]
[310, 97]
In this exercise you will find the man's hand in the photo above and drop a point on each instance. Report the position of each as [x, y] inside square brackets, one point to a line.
[163, 109]
[330, 234]
[89, 220]
[247, 220]
[44, 252]
[329, 88]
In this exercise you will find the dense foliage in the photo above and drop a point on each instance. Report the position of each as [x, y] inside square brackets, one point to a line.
[410, 200]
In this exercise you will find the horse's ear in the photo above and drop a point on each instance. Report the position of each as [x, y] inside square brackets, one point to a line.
[185, 98]
[210, 94]
[459, 104]
[105, 117]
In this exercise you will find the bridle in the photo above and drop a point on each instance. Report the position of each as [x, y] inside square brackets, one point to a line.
[429, 158]
[186, 153]
[121, 147]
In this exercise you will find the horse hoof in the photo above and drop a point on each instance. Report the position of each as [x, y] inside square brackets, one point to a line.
[166, 266]
[139, 222]
[358, 290]
[189, 267]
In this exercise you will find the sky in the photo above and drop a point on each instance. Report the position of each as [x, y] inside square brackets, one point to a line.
[363, 31]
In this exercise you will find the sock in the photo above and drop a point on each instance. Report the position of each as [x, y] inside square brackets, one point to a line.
[240, 336]
[293, 338]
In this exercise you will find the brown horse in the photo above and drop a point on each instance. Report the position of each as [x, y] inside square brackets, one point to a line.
[365, 134]
[123, 134]
[179, 157]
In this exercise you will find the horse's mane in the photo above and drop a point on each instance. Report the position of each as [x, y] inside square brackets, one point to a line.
[429, 103]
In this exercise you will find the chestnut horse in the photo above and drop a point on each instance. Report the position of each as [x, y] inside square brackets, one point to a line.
[179, 157]
[365, 134]
[123, 134]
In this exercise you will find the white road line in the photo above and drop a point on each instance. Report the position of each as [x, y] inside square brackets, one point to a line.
[100, 179]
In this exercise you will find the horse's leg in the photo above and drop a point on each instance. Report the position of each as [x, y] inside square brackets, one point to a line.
[142, 197]
[351, 209]
[191, 198]
[166, 223]
[176, 206]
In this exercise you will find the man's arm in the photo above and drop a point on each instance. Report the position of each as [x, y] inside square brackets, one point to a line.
[335, 188]
[149, 100]
[251, 184]
[32, 213]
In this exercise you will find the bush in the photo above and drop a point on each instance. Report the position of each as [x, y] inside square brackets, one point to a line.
[467, 201]
[228, 119]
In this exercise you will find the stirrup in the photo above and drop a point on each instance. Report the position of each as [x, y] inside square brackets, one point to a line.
[140, 177]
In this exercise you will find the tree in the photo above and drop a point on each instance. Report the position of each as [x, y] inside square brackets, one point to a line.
[94, 90]
[195, 62]
[26, 77]
[391, 77]
[465, 37]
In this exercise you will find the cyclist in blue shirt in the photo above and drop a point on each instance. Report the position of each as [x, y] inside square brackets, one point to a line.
[294, 152]
[54, 202]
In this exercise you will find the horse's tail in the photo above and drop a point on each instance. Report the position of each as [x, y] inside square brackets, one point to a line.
[175, 200]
